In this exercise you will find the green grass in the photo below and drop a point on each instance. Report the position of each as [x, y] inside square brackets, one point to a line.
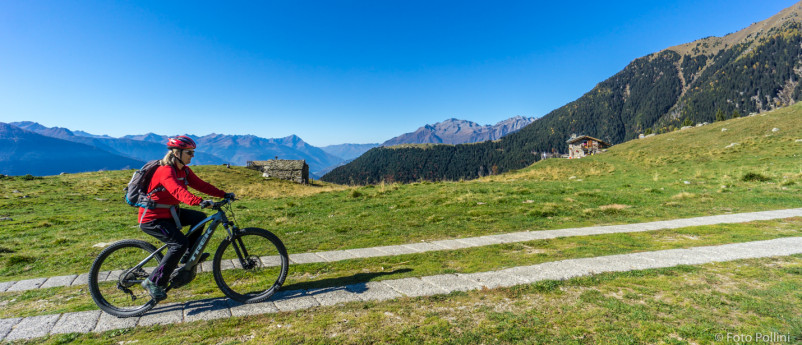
[680, 305]
[469, 260]
[60, 223]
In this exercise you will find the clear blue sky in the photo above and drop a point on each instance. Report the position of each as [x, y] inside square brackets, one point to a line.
[330, 72]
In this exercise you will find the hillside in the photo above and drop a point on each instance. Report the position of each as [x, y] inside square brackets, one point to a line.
[751, 71]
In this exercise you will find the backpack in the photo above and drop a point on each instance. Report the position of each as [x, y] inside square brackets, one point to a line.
[136, 193]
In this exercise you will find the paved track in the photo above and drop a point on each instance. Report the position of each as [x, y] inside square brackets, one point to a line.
[96, 321]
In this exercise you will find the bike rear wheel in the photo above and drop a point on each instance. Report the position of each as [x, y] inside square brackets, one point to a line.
[114, 283]
[251, 266]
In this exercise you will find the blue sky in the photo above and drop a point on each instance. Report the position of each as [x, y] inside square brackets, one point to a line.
[330, 72]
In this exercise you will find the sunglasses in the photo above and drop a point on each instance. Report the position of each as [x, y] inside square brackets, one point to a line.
[191, 153]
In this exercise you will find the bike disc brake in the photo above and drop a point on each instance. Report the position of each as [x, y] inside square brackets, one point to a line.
[250, 263]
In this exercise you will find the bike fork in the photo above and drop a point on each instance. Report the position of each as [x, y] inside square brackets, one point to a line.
[242, 252]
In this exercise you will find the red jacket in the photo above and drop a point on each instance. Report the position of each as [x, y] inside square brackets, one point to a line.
[175, 183]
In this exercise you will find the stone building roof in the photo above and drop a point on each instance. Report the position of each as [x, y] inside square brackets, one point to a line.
[279, 164]
[586, 137]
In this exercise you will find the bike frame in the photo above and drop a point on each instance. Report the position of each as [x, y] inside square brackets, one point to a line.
[199, 246]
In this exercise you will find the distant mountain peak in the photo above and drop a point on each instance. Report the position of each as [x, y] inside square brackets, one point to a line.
[28, 125]
[54, 132]
[293, 138]
[7, 128]
[456, 131]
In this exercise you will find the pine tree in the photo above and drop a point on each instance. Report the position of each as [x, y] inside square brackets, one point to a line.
[720, 115]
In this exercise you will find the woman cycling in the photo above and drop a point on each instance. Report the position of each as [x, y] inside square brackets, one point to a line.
[168, 188]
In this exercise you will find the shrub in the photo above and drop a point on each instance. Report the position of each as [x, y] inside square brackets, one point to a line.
[546, 212]
[355, 193]
[755, 177]
[19, 259]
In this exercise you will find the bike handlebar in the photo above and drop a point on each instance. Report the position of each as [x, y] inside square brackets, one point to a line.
[218, 204]
[222, 203]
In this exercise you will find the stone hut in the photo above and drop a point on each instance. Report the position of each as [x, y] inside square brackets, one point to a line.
[583, 145]
[291, 170]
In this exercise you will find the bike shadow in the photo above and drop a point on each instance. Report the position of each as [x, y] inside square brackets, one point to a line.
[215, 307]
[341, 282]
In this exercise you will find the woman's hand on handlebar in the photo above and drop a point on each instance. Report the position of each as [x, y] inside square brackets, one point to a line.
[211, 204]
[206, 204]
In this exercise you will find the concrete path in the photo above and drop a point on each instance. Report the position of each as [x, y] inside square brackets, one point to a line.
[95, 321]
[422, 247]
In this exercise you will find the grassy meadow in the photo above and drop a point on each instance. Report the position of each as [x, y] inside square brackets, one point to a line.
[679, 305]
[58, 224]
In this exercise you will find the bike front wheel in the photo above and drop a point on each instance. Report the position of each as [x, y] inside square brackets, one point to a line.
[115, 277]
[250, 266]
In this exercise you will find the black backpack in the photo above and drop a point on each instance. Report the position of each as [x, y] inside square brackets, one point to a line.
[136, 193]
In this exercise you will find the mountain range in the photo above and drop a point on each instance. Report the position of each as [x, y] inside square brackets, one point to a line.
[454, 131]
[133, 150]
[25, 152]
[126, 147]
[239, 149]
[750, 71]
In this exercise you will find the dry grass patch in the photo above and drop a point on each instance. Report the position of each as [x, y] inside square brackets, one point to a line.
[270, 189]
[614, 207]
[606, 209]
[683, 196]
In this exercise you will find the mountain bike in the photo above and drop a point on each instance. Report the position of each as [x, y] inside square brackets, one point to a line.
[249, 266]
